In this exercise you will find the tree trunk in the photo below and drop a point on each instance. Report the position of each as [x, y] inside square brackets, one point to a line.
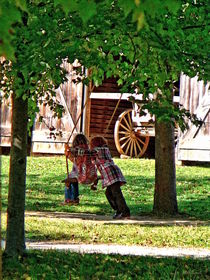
[165, 201]
[0, 196]
[15, 238]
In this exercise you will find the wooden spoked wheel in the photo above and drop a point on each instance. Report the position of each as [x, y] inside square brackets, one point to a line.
[128, 141]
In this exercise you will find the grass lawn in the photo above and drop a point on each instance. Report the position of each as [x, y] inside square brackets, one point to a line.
[45, 192]
[63, 266]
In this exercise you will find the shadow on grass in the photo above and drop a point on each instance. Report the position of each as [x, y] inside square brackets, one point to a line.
[66, 265]
[45, 193]
[195, 208]
[147, 220]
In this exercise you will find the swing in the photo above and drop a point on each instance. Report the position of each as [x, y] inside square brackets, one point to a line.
[87, 170]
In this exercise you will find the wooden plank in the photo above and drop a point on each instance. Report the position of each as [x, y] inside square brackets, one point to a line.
[71, 122]
[202, 112]
[5, 141]
[100, 115]
[112, 96]
[194, 144]
[70, 96]
[47, 148]
[88, 112]
[6, 119]
[5, 131]
[111, 106]
[108, 85]
[125, 96]
[194, 155]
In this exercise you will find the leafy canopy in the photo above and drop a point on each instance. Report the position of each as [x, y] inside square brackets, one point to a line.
[145, 44]
[170, 37]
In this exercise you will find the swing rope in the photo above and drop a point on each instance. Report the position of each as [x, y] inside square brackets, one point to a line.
[116, 107]
[75, 125]
[106, 130]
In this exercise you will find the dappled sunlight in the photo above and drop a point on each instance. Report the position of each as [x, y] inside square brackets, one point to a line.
[45, 191]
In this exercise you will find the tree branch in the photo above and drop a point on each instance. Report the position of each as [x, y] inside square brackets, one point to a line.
[195, 26]
[134, 47]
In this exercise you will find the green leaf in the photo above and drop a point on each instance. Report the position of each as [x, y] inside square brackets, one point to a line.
[119, 82]
[67, 5]
[127, 6]
[86, 9]
[22, 5]
[47, 43]
[138, 16]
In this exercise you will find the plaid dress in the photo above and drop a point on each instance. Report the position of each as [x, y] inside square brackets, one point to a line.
[110, 172]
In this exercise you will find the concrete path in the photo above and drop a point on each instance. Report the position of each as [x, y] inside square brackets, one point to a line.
[123, 250]
[117, 249]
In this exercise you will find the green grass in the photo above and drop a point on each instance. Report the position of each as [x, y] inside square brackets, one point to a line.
[45, 191]
[125, 234]
[63, 265]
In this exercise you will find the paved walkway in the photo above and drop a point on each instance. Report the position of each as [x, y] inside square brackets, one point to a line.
[124, 250]
[120, 250]
[142, 220]
[117, 249]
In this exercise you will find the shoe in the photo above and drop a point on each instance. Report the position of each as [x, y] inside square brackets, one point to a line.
[121, 216]
[70, 202]
[67, 201]
[75, 202]
[125, 216]
[116, 215]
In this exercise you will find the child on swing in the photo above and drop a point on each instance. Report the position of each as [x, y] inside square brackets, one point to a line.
[71, 187]
[111, 176]
[84, 171]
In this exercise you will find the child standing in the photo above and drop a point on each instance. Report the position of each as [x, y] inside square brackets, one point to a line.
[111, 176]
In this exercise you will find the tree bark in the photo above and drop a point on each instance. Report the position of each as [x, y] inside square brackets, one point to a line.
[15, 238]
[165, 200]
[0, 195]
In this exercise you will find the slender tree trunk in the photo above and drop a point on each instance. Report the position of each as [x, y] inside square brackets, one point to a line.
[165, 201]
[15, 238]
[0, 195]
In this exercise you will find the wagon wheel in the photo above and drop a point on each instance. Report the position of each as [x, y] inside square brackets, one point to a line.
[127, 140]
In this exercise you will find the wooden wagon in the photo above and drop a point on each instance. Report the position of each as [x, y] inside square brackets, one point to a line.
[133, 133]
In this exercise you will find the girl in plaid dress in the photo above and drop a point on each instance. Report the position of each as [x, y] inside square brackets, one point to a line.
[111, 176]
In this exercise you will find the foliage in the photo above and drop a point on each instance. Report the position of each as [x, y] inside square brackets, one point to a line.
[64, 265]
[45, 191]
[170, 37]
[150, 59]
[9, 15]
[36, 70]
[10, 11]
